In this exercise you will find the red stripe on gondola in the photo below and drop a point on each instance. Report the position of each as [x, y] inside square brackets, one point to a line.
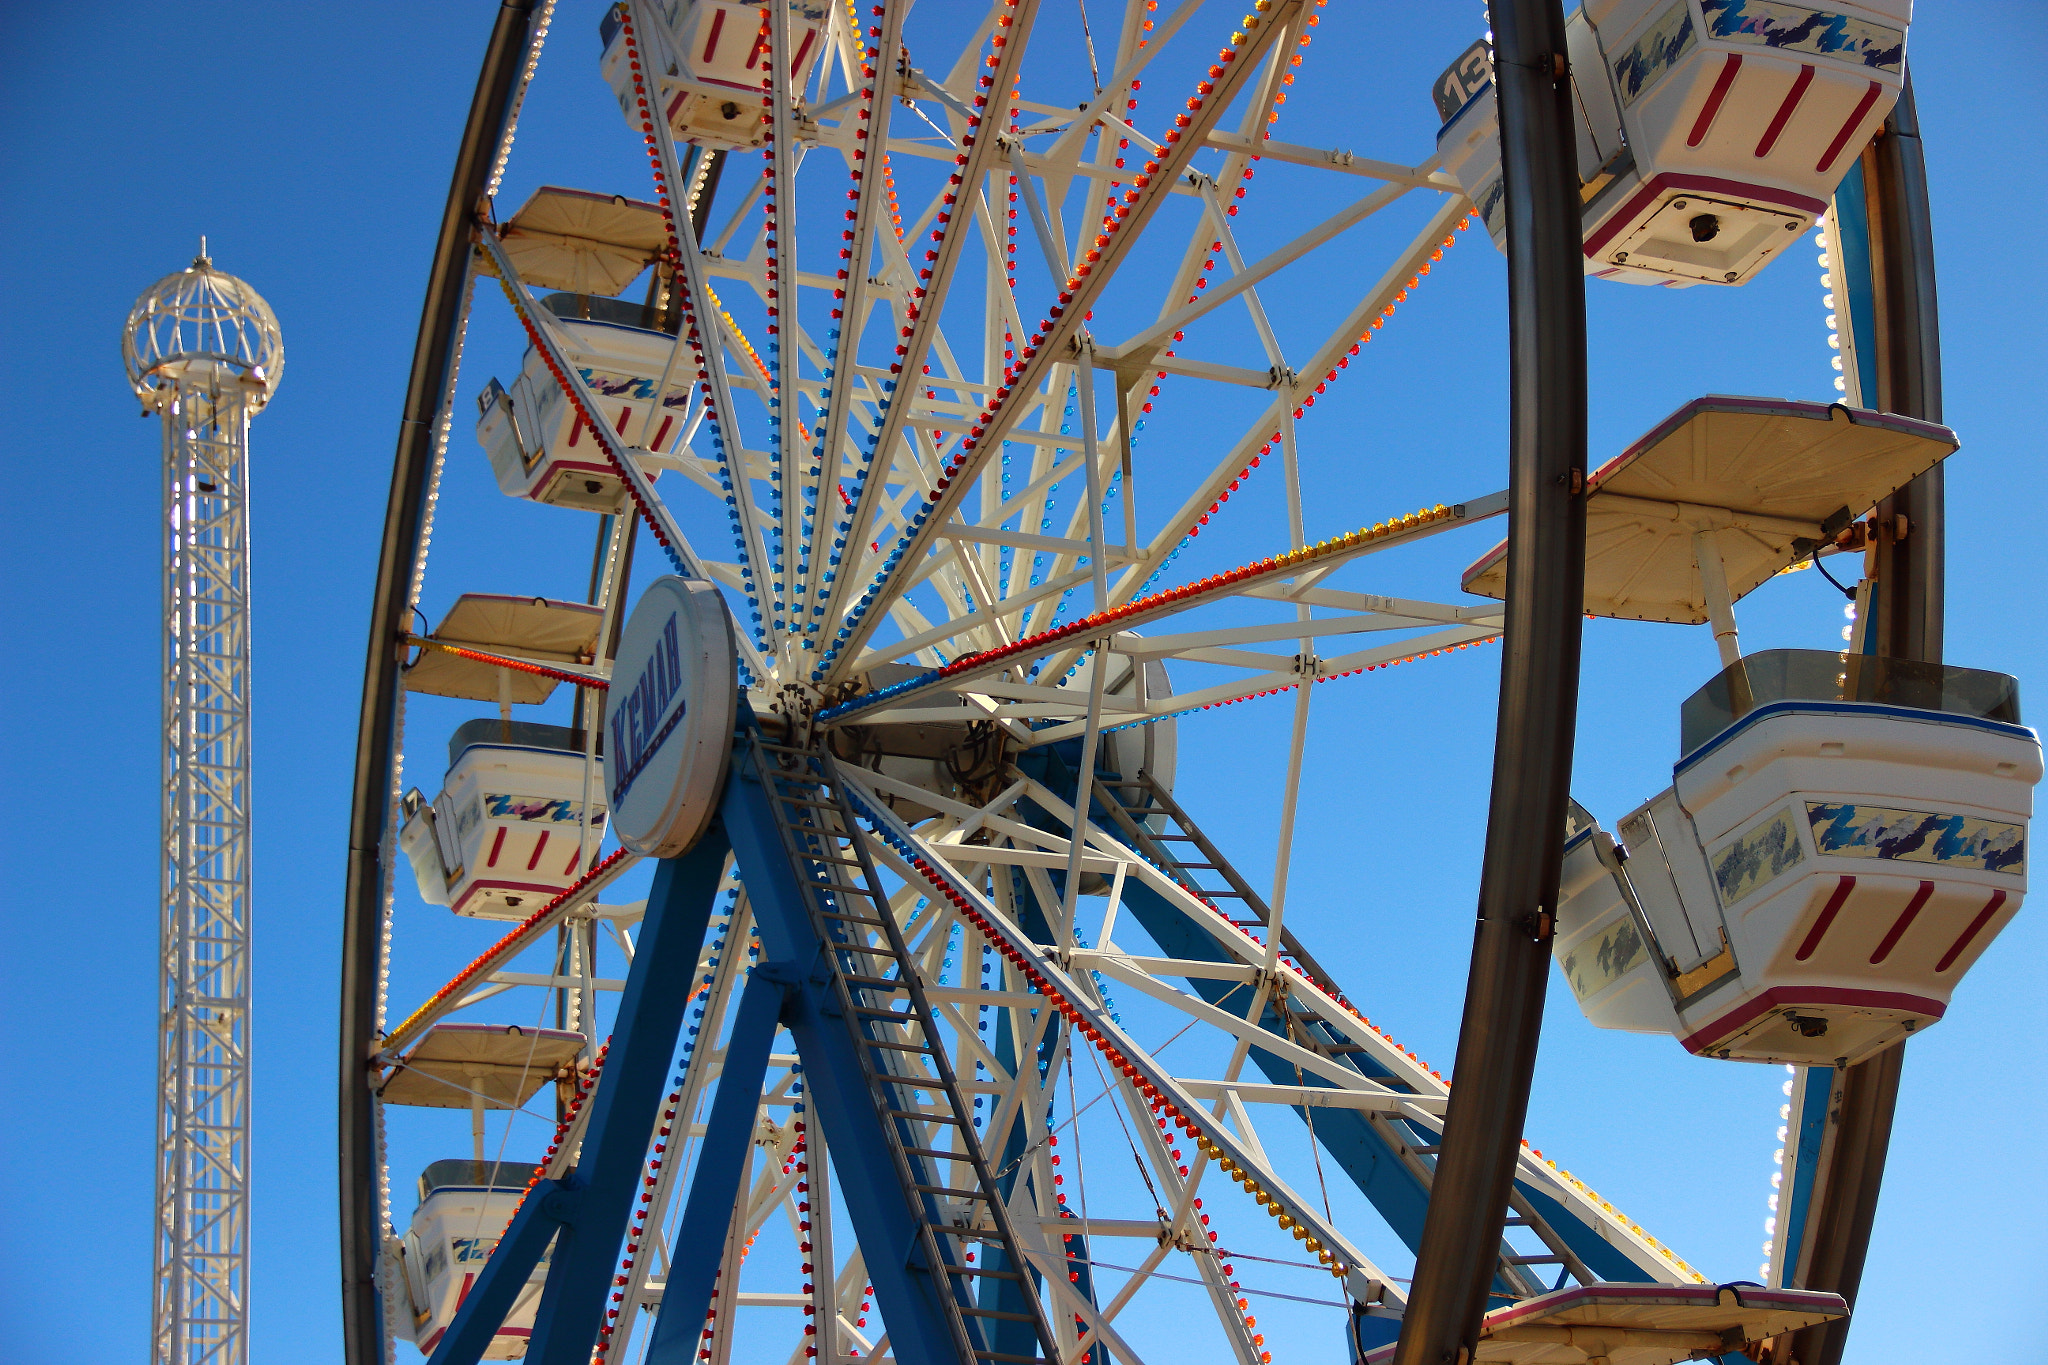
[1827, 917]
[496, 844]
[1778, 997]
[1842, 138]
[1784, 114]
[1899, 926]
[1948, 959]
[1714, 98]
[538, 845]
[803, 48]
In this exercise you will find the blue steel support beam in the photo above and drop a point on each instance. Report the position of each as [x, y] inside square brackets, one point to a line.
[718, 1180]
[907, 1290]
[587, 1210]
[526, 1239]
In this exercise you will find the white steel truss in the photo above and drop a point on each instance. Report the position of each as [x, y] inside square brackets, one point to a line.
[202, 1181]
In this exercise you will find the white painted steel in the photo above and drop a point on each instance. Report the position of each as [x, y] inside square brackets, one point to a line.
[204, 352]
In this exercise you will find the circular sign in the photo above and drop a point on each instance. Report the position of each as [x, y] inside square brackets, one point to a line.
[669, 717]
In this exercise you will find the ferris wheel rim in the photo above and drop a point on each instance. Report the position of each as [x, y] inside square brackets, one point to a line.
[1076, 631]
[479, 159]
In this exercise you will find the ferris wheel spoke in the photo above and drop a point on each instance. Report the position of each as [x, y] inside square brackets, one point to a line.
[787, 483]
[1581, 1225]
[1122, 230]
[964, 670]
[719, 972]
[1354, 331]
[524, 936]
[541, 329]
[1245, 278]
[915, 336]
[863, 241]
[700, 314]
[1184, 1233]
[1226, 473]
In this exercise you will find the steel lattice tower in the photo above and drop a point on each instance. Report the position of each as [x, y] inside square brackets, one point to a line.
[203, 351]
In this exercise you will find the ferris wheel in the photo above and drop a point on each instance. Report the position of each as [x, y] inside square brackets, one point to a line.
[945, 1031]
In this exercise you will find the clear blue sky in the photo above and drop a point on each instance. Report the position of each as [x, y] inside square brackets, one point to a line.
[313, 145]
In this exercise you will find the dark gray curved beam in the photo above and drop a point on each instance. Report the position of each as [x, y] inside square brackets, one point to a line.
[1532, 760]
[1910, 601]
[433, 353]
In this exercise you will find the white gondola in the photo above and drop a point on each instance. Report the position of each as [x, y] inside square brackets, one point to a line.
[1844, 834]
[533, 629]
[464, 1206]
[588, 246]
[708, 58]
[1711, 132]
[480, 1067]
[507, 834]
[1843, 838]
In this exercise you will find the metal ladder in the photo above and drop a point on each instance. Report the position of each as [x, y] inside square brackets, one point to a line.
[1148, 800]
[902, 1054]
[1512, 1266]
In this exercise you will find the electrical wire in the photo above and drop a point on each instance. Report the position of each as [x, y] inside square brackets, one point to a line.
[1849, 593]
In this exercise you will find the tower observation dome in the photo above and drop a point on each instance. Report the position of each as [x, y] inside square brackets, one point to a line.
[203, 352]
[202, 330]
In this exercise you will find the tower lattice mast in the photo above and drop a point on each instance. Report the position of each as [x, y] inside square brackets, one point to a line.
[203, 351]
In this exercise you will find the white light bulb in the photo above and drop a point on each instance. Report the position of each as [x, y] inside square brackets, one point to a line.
[1771, 1226]
[1821, 260]
[1827, 300]
[1820, 238]
[1772, 1204]
[1849, 633]
[1777, 1179]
